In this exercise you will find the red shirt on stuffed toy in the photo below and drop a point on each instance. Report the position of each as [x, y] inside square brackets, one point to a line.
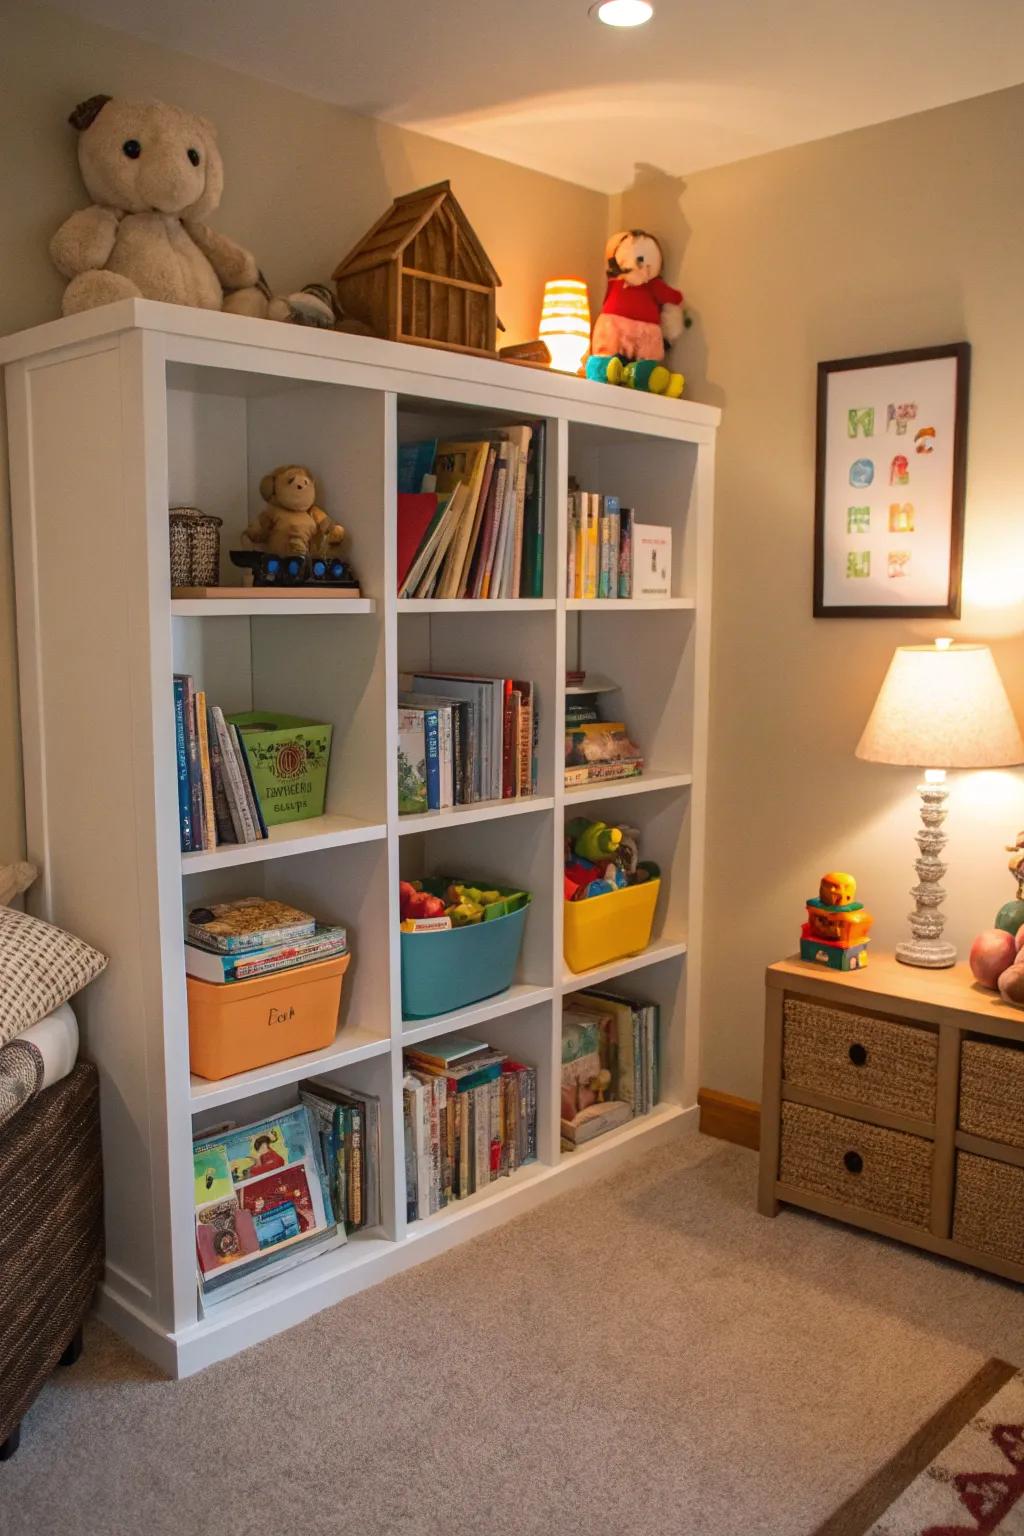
[641, 302]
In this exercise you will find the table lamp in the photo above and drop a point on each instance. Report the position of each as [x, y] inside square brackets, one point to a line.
[565, 323]
[941, 706]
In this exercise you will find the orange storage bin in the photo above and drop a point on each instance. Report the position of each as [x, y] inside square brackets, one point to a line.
[244, 1024]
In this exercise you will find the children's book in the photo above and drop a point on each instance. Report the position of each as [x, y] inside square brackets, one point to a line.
[416, 514]
[218, 967]
[184, 788]
[251, 922]
[412, 763]
[652, 560]
[415, 463]
[262, 1201]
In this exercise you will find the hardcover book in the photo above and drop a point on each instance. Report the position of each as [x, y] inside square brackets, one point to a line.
[251, 922]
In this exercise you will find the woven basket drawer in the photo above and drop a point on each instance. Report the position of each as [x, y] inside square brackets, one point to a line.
[863, 1166]
[852, 1056]
[988, 1212]
[992, 1091]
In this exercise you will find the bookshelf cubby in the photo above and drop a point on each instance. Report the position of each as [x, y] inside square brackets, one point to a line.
[112, 416]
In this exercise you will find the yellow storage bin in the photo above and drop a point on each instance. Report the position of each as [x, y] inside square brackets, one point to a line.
[604, 928]
[240, 1025]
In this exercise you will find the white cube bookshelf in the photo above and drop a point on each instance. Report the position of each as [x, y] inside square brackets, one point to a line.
[112, 416]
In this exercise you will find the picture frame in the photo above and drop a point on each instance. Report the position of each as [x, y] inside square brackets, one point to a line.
[890, 484]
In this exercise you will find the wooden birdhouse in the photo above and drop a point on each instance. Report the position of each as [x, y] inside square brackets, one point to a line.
[421, 275]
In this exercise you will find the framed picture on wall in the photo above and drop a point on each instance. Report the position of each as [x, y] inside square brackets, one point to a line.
[889, 485]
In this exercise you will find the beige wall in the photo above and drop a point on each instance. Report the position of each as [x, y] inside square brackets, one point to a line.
[303, 181]
[896, 236]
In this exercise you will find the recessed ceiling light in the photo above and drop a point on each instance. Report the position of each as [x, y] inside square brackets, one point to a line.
[623, 13]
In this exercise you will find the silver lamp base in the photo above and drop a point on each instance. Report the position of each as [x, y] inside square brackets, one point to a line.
[935, 954]
[928, 948]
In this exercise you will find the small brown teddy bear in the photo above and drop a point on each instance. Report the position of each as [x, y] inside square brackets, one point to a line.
[291, 523]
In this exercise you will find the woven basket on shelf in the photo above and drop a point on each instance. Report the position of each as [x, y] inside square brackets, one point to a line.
[992, 1091]
[195, 547]
[851, 1056]
[861, 1165]
[988, 1211]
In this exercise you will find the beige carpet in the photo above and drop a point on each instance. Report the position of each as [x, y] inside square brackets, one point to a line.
[646, 1358]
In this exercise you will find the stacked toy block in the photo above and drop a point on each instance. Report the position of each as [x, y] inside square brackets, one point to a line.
[837, 927]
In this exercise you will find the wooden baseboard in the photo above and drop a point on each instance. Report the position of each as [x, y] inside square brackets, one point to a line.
[729, 1118]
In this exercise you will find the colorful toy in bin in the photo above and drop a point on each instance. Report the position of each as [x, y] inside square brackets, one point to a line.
[460, 943]
[837, 927]
[610, 894]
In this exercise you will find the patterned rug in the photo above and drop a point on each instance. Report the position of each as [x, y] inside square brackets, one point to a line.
[962, 1474]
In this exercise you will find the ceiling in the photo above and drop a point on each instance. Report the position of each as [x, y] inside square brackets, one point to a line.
[540, 83]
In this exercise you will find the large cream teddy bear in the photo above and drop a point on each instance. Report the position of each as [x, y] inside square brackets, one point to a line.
[154, 172]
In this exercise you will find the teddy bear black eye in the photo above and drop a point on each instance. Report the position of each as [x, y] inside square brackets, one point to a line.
[193, 156]
[132, 148]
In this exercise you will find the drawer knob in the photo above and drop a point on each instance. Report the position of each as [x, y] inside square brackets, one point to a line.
[853, 1162]
[858, 1054]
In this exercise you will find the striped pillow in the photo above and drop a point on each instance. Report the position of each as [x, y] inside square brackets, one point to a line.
[40, 967]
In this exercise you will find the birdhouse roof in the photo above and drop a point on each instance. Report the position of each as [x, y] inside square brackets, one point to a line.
[397, 228]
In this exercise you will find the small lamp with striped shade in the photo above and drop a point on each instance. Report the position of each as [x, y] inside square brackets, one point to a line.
[565, 323]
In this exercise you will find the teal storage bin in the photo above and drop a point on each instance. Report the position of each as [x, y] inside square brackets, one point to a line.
[444, 971]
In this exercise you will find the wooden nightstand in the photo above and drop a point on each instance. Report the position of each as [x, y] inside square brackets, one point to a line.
[894, 1100]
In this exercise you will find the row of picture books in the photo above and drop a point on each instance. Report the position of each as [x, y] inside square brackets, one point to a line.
[217, 799]
[470, 1117]
[609, 554]
[237, 940]
[462, 739]
[471, 515]
[280, 1191]
[609, 1063]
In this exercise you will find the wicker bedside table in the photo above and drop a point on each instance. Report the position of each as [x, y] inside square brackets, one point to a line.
[894, 1100]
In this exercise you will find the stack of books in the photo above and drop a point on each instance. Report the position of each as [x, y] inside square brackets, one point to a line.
[470, 1117]
[231, 941]
[462, 739]
[595, 749]
[217, 799]
[349, 1128]
[471, 515]
[609, 1063]
[262, 1202]
[610, 555]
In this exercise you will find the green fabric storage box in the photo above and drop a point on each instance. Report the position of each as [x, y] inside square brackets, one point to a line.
[288, 755]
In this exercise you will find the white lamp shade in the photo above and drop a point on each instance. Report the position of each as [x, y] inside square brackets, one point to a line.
[942, 706]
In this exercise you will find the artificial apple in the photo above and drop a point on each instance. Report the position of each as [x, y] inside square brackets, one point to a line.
[1019, 940]
[1010, 916]
[992, 951]
[406, 892]
[1011, 985]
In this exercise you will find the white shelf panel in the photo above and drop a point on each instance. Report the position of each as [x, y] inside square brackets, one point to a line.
[475, 605]
[266, 607]
[362, 1249]
[351, 1045]
[484, 810]
[627, 604]
[611, 788]
[520, 995]
[661, 949]
[661, 1115]
[294, 837]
